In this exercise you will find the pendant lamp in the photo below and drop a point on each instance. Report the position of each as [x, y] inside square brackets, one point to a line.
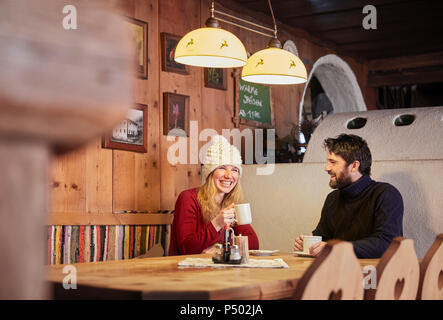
[211, 46]
[274, 65]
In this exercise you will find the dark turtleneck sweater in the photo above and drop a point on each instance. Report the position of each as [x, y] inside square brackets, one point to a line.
[367, 213]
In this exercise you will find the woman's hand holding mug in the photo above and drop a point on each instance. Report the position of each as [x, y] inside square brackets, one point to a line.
[225, 217]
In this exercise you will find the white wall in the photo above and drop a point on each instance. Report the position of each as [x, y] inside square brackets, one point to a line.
[422, 140]
[289, 201]
[286, 203]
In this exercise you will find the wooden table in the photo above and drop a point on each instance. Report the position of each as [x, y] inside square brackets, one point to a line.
[161, 278]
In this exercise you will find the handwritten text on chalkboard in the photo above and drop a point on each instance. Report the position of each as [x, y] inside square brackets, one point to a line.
[254, 102]
[250, 99]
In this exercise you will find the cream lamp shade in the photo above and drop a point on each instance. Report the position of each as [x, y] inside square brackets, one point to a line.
[211, 47]
[274, 66]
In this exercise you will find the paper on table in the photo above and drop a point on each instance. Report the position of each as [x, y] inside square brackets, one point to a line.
[253, 263]
[262, 252]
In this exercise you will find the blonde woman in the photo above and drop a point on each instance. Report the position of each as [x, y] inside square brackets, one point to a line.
[201, 213]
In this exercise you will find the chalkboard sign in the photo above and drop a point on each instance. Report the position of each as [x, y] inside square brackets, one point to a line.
[253, 104]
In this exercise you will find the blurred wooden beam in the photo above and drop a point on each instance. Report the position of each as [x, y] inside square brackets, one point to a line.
[404, 62]
[58, 90]
[408, 76]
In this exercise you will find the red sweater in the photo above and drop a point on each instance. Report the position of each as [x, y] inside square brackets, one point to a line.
[191, 235]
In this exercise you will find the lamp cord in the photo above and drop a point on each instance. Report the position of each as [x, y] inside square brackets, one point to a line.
[273, 19]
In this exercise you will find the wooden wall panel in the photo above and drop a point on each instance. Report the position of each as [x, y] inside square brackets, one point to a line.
[68, 182]
[123, 180]
[173, 20]
[125, 172]
[135, 175]
[124, 7]
[218, 106]
[99, 178]
[147, 166]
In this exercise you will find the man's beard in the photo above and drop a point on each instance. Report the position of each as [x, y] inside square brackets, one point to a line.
[341, 181]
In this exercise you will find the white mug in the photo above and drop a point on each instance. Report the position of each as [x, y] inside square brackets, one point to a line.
[308, 241]
[243, 213]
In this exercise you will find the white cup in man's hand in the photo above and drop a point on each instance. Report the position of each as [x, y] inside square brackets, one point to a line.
[243, 213]
[308, 241]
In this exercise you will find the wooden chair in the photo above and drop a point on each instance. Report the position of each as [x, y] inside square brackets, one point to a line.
[431, 272]
[155, 251]
[334, 275]
[398, 273]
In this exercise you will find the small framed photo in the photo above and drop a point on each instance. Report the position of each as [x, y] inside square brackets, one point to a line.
[175, 114]
[138, 33]
[131, 133]
[169, 43]
[216, 78]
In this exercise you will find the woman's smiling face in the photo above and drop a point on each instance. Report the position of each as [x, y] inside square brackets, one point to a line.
[226, 178]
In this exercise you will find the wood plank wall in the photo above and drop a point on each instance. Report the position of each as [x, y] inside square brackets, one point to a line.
[96, 180]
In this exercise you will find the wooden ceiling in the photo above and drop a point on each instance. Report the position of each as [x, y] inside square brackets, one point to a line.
[403, 27]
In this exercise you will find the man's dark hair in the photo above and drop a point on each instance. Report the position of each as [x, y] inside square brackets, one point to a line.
[351, 148]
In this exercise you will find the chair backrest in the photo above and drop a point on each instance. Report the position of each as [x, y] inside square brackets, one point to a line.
[398, 273]
[431, 272]
[335, 274]
[155, 251]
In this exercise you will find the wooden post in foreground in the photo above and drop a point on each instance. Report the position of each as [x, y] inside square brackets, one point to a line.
[59, 88]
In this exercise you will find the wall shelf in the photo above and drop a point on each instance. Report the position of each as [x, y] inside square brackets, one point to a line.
[79, 218]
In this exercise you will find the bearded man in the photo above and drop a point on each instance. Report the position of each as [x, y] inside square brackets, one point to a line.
[367, 213]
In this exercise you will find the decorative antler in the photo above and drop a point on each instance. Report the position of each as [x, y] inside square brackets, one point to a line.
[191, 42]
[261, 62]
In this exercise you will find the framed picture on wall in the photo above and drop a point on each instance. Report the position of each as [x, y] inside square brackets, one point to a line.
[216, 78]
[131, 133]
[168, 44]
[175, 114]
[138, 33]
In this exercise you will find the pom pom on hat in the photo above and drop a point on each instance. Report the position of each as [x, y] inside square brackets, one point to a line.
[221, 152]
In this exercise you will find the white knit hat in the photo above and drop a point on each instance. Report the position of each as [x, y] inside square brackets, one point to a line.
[221, 152]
